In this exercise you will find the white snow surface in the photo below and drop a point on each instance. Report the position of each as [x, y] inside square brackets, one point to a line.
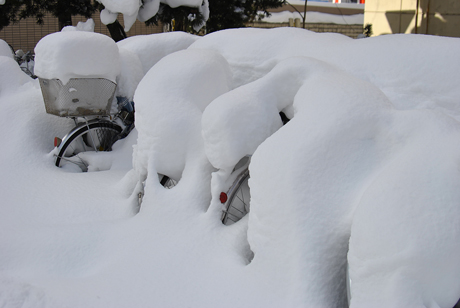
[82, 26]
[75, 54]
[365, 173]
[11, 76]
[108, 17]
[131, 73]
[5, 50]
[151, 48]
[172, 119]
[139, 53]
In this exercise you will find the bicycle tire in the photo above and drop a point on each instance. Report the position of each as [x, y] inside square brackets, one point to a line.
[94, 135]
[165, 181]
[238, 198]
[168, 182]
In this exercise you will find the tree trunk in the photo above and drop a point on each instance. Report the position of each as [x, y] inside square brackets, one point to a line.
[304, 15]
[179, 24]
[116, 31]
[64, 20]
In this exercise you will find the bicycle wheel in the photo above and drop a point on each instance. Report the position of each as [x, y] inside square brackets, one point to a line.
[167, 182]
[237, 199]
[95, 135]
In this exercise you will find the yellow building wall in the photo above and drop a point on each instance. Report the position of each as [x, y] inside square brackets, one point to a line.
[434, 17]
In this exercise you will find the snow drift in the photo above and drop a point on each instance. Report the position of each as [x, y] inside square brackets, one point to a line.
[365, 173]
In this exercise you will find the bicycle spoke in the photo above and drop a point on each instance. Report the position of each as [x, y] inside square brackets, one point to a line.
[235, 208]
[238, 202]
[242, 196]
[73, 160]
[94, 135]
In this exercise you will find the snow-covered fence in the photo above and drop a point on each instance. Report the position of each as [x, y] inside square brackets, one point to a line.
[349, 30]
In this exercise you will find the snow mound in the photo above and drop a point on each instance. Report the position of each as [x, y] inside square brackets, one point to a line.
[379, 61]
[5, 49]
[87, 26]
[252, 53]
[77, 54]
[169, 103]
[151, 48]
[131, 73]
[366, 173]
[342, 152]
[11, 75]
[236, 123]
[343, 147]
[405, 235]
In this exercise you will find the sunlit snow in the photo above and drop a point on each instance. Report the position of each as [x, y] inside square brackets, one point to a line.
[366, 173]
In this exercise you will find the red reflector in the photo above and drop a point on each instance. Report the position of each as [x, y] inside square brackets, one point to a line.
[223, 197]
[57, 141]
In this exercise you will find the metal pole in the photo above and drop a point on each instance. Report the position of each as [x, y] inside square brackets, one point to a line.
[427, 16]
[304, 14]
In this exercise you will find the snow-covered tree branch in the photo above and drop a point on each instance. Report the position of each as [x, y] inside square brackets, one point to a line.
[146, 9]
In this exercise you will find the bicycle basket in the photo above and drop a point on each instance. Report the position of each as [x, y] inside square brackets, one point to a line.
[79, 97]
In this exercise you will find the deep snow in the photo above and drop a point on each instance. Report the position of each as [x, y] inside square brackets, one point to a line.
[77, 54]
[365, 171]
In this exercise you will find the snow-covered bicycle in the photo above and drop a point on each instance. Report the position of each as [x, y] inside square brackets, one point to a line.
[26, 62]
[88, 102]
[236, 201]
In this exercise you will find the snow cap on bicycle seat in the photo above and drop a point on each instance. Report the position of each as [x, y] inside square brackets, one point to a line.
[77, 54]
